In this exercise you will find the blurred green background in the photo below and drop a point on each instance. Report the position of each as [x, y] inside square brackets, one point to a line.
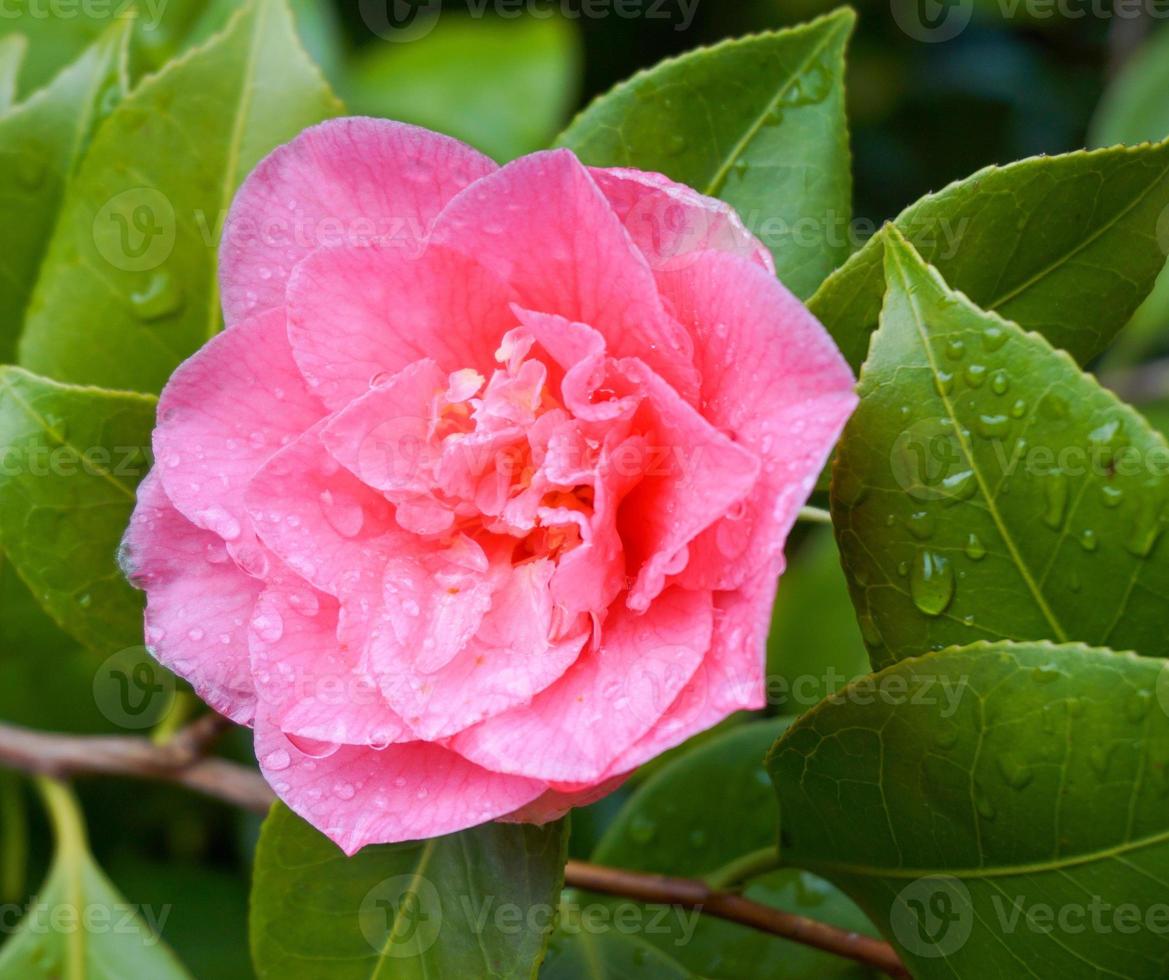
[922, 114]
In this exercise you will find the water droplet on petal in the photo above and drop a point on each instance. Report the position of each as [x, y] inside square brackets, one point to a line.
[277, 761]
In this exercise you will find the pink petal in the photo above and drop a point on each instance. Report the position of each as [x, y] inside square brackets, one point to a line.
[693, 475]
[774, 380]
[671, 222]
[509, 656]
[198, 601]
[321, 521]
[358, 796]
[609, 698]
[383, 437]
[731, 677]
[541, 225]
[311, 683]
[359, 313]
[555, 803]
[344, 182]
[223, 413]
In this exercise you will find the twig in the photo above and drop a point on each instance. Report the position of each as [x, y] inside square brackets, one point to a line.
[814, 515]
[697, 895]
[179, 761]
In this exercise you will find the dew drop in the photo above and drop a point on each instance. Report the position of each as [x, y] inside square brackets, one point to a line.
[1146, 529]
[946, 738]
[277, 761]
[343, 512]
[160, 298]
[1137, 707]
[1111, 496]
[1000, 383]
[1055, 493]
[869, 631]
[982, 803]
[219, 521]
[1015, 772]
[955, 350]
[921, 525]
[975, 375]
[642, 829]
[1046, 674]
[992, 426]
[975, 549]
[931, 582]
[269, 626]
[993, 338]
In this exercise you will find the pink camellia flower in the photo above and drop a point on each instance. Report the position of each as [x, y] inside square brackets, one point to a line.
[479, 501]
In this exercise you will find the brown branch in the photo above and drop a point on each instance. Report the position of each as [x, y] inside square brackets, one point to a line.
[697, 895]
[182, 761]
[179, 761]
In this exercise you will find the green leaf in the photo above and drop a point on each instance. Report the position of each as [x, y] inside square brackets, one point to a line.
[316, 25]
[758, 122]
[12, 49]
[673, 824]
[79, 926]
[128, 288]
[1134, 109]
[41, 141]
[814, 647]
[474, 904]
[1063, 245]
[670, 825]
[505, 87]
[607, 955]
[987, 489]
[961, 817]
[59, 38]
[71, 460]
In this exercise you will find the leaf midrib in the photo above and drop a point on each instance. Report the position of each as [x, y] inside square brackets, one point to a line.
[715, 185]
[991, 503]
[1090, 239]
[994, 871]
[8, 387]
[420, 866]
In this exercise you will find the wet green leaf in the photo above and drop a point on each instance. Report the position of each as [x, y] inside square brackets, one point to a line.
[70, 462]
[41, 142]
[999, 809]
[986, 488]
[758, 122]
[1067, 246]
[474, 904]
[128, 287]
